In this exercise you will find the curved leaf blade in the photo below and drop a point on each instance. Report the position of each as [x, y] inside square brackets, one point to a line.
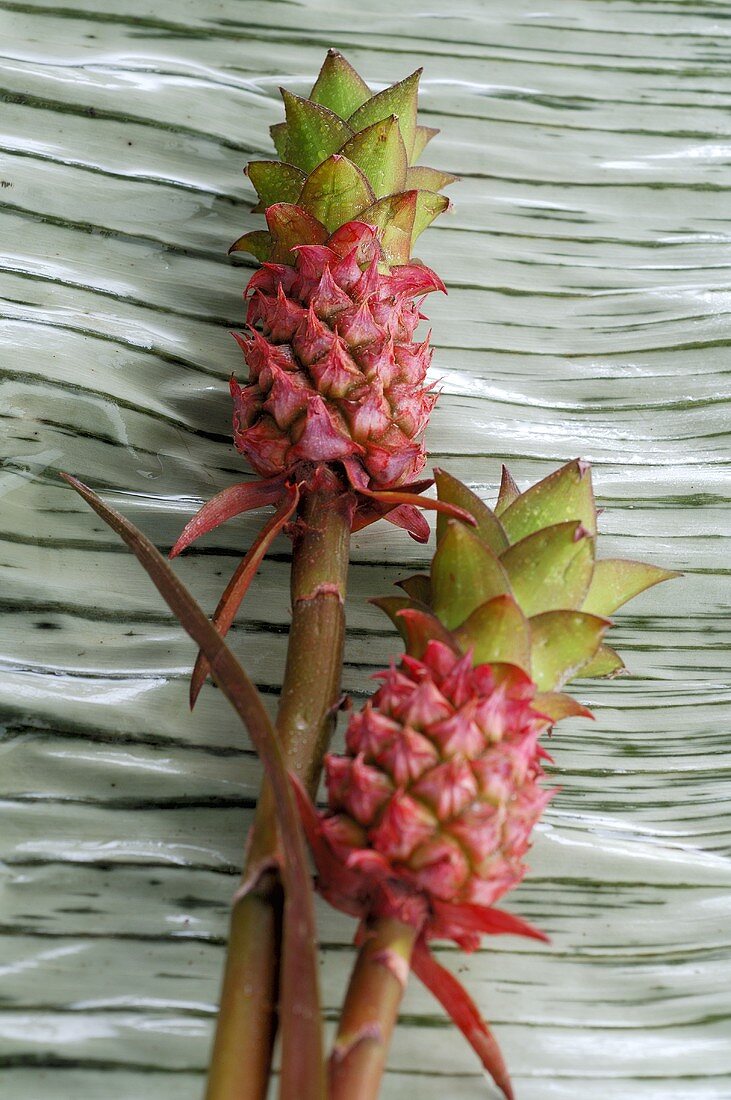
[497, 631]
[335, 192]
[489, 528]
[618, 580]
[564, 495]
[401, 100]
[561, 644]
[551, 569]
[313, 132]
[339, 87]
[606, 662]
[464, 574]
[380, 153]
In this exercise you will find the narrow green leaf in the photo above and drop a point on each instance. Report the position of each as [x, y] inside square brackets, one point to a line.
[259, 243]
[401, 100]
[394, 215]
[274, 182]
[299, 1001]
[556, 705]
[551, 569]
[464, 574]
[616, 580]
[380, 153]
[422, 136]
[428, 207]
[428, 179]
[339, 87]
[418, 587]
[561, 644]
[497, 631]
[280, 137]
[313, 132]
[336, 192]
[605, 662]
[290, 225]
[563, 495]
[488, 528]
[509, 492]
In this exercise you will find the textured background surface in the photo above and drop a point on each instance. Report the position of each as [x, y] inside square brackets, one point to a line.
[587, 260]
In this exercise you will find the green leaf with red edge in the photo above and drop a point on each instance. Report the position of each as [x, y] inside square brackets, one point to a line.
[422, 178]
[380, 153]
[422, 136]
[488, 528]
[605, 662]
[421, 627]
[564, 495]
[313, 132]
[464, 574]
[259, 243]
[299, 1007]
[401, 100]
[391, 606]
[497, 631]
[394, 215]
[418, 587]
[616, 580]
[339, 87]
[336, 192]
[551, 569]
[509, 492]
[561, 644]
[274, 181]
[556, 705]
[289, 226]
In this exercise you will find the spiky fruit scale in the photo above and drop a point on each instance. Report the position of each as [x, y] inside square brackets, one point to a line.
[335, 375]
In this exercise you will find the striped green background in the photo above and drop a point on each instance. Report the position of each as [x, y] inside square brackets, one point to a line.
[587, 259]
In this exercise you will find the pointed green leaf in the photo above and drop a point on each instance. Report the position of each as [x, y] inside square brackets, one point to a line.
[391, 605]
[259, 243]
[418, 587]
[605, 662]
[428, 179]
[274, 182]
[279, 132]
[561, 644]
[428, 207]
[563, 495]
[616, 581]
[290, 225]
[509, 492]
[339, 87]
[313, 132]
[488, 528]
[422, 137]
[380, 153]
[401, 100]
[464, 574]
[551, 569]
[497, 631]
[394, 215]
[556, 706]
[336, 192]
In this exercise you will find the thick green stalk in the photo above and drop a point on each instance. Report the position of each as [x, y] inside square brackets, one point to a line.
[247, 1022]
[370, 1010]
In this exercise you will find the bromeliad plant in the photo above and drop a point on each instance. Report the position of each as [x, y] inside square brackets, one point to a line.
[430, 809]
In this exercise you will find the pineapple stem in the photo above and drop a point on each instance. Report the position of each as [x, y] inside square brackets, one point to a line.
[247, 1023]
[370, 1010]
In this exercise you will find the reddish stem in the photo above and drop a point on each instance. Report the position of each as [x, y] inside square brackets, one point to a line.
[247, 1022]
[370, 1010]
